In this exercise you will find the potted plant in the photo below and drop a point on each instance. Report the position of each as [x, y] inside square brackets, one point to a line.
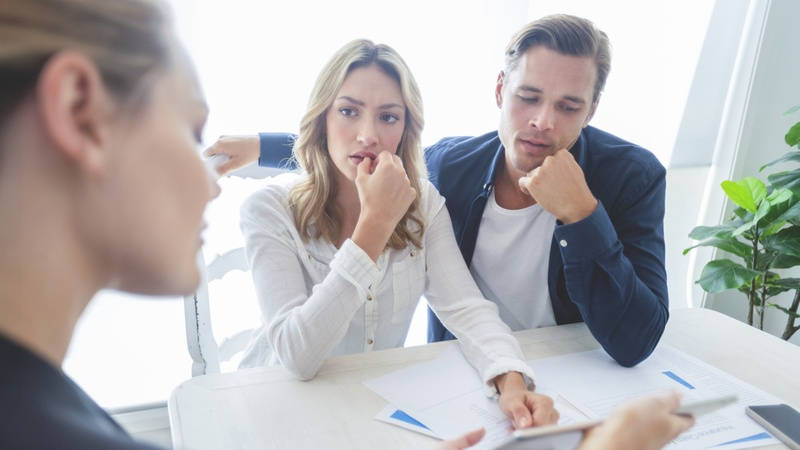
[763, 233]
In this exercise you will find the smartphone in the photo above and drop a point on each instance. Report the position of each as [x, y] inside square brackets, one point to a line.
[782, 421]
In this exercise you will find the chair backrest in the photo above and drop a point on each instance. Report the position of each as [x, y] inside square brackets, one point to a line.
[208, 355]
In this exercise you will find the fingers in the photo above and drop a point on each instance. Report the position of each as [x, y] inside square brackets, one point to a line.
[462, 442]
[523, 184]
[521, 416]
[364, 167]
[544, 412]
[672, 400]
[210, 151]
[226, 167]
[473, 437]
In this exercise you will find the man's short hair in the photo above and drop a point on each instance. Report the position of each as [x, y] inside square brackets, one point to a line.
[565, 34]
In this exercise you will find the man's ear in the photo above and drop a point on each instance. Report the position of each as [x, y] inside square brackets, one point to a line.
[75, 109]
[498, 90]
[592, 110]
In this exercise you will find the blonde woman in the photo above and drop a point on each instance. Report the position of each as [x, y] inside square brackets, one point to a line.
[342, 253]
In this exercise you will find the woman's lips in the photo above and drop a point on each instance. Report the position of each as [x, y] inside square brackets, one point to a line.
[358, 157]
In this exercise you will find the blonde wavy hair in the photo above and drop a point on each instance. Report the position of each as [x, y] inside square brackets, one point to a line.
[312, 200]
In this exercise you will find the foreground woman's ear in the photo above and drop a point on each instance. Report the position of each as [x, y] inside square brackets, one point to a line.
[75, 110]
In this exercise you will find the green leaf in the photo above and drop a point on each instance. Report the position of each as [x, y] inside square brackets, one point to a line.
[788, 283]
[786, 180]
[785, 242]
[772, 228]
[791, 215]
[780, 201]
[765, 261]
[792, 110]
[763, 209]
[740, 212]
[785, 262]
[730, 245]
[739, 194]
[722, 274]
[702, 233]
[786, 310]
[793, 156]
[743, 229]
[793, 135]
[779, 196]
[756, 187]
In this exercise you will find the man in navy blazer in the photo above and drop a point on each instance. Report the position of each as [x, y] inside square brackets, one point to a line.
[549, 200]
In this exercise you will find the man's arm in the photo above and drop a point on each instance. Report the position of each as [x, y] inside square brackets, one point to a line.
[613, 253]
[269, 149]
[614, 271]
[275, 150]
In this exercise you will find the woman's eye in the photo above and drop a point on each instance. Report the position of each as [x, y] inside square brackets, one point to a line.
[528, 99]
[348, 112]
[389, 118]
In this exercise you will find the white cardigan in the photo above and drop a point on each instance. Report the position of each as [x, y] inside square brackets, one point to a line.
[318, 301]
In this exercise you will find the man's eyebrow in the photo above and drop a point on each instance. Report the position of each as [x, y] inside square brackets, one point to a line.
[574, 99]
[530, 89]
[535, 90]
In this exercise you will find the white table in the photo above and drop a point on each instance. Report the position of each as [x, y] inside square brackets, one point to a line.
[268, 409]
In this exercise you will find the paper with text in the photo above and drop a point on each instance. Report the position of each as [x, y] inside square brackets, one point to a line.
[447, 396]
[595, 384]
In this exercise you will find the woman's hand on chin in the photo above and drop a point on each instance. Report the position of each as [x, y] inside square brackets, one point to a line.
[385, 194]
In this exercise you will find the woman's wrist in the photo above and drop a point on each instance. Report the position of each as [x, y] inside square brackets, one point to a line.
[372, 234]
[510, 381]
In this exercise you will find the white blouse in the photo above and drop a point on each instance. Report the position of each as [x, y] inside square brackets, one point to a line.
[318, 301]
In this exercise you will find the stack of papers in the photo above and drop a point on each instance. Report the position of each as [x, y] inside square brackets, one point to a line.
[445, 398]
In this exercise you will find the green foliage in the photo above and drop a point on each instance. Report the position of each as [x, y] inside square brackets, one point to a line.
[763, 234]
[793, 136]
[723, 274]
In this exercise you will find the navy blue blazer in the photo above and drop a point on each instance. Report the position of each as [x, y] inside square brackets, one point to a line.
[606, 270]
[41, 408]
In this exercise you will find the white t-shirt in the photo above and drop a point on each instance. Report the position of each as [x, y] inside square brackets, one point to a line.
[510, 263]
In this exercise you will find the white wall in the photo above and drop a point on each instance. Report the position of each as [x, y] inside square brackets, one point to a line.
[773, 88]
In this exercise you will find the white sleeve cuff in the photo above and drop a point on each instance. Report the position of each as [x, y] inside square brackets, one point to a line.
[355, 266]
[505, 365]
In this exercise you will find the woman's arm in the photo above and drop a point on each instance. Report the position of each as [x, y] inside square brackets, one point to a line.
[486, 340]
[302, 329]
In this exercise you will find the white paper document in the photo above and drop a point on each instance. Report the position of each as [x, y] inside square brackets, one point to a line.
[447, 396]
[595, 384]
[390, 414]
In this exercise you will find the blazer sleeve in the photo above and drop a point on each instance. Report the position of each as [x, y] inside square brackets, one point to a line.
[275, 150]
[614, 270]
